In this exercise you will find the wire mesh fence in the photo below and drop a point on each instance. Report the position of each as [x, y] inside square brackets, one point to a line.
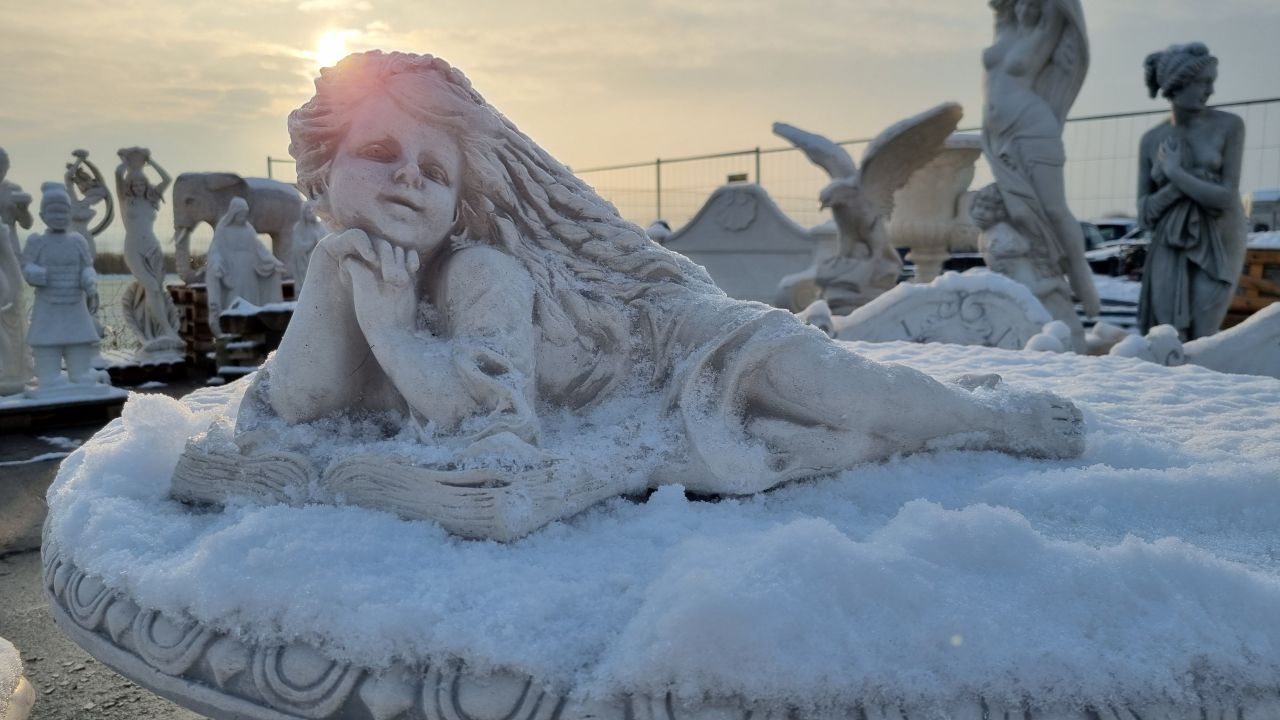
[117, 335]
[1101, 170]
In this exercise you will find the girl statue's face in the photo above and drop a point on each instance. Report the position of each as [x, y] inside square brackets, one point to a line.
[395, 177]
[1195, 93]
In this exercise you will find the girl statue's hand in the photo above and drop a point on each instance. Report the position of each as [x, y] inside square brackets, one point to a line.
[385, 292]
[348, 243]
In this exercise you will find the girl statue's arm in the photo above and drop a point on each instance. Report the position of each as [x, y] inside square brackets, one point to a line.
[478, 375]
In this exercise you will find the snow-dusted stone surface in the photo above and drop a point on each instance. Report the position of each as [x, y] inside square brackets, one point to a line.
[1139, 577]
[1250, 348]
[977, 307]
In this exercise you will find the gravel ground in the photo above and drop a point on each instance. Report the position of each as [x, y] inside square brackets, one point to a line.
[69, 683]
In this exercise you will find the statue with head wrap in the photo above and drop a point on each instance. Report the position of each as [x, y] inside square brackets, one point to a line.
[1189, 198]
[58, 264]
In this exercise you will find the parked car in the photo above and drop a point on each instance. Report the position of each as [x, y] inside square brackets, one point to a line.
[1114, 228]
[1104, 256]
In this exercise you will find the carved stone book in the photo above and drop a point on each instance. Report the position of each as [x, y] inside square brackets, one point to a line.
[497, 502]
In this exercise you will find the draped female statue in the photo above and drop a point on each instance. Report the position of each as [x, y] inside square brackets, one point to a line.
[1189, 198]
[1034, 71]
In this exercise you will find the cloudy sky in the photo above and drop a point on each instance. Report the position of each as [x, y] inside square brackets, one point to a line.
[207, 83]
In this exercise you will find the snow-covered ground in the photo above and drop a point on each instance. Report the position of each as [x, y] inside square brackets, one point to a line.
[1147, 569]
[1117, 289]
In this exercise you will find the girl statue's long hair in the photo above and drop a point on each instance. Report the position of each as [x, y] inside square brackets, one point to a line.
[587, 263]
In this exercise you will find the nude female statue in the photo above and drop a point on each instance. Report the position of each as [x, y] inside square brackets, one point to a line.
[1189, 198]
[1033, 73]
[148, 306]
[473, 284]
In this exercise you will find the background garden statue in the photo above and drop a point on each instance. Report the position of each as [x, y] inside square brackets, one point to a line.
[1011, 254]
[306, 234]
[240, 266]
[57, 263]
[1189, 198]
[1034, 71]
[15, 212]
[87, 188]
[203, 197]
[148, 308]
[861, 201]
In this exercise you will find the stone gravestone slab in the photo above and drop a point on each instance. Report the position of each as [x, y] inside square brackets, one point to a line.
[745, 242]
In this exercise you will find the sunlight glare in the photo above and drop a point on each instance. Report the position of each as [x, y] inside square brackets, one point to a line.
[331, 48]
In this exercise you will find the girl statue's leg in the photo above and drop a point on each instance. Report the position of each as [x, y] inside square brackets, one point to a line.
[820, 407]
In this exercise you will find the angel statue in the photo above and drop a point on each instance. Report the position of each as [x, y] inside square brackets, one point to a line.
[1034, 71]
[867, 264]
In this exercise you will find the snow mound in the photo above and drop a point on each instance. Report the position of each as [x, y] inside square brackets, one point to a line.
[1146, 570]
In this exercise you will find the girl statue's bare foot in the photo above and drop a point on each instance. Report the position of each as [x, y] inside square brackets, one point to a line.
[1040, 424]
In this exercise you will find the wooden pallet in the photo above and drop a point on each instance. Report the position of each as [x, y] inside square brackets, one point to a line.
[1259, 286]
[193, 320]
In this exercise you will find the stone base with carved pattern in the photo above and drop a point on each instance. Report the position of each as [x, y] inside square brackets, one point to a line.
[221, 676]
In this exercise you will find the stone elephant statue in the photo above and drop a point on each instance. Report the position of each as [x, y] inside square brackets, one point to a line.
[274, 209]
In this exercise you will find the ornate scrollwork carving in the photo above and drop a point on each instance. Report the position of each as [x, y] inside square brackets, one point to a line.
[299, 680]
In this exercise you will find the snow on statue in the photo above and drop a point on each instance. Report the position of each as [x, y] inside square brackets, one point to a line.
[474, 291]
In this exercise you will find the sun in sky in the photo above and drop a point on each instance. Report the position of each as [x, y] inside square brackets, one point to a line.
[331, 47]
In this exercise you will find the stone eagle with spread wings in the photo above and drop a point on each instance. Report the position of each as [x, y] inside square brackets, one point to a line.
[861, 201]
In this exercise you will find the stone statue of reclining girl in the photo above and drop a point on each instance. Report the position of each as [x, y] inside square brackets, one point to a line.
[473, 287]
